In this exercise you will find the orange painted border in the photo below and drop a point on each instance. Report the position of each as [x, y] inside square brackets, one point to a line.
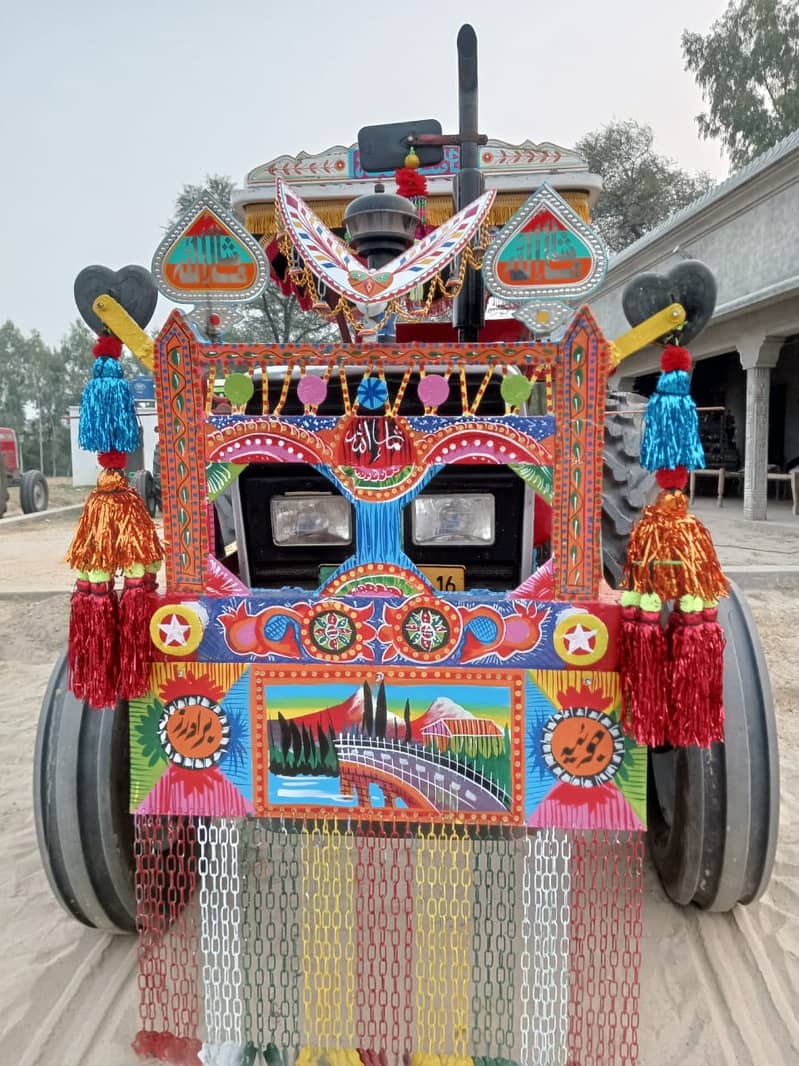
[581, 364]
[261, 676]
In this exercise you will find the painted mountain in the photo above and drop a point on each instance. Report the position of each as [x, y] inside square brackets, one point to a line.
[348, 717]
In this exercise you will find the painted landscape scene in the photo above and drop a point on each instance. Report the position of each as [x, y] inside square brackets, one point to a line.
[385, 744]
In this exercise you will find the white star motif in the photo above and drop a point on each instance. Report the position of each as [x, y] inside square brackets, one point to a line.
[173, 630]
[579, 639]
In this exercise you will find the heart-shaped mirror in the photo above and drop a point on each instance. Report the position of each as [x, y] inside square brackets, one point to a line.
[132, 287]
[689, 283]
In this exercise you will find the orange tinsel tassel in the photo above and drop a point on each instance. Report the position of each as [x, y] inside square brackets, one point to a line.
[671, 553]
[643, 663]
[696, 654]
[115, 531]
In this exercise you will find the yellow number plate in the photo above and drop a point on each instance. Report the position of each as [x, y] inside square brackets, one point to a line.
[446, 578]
[442, 578]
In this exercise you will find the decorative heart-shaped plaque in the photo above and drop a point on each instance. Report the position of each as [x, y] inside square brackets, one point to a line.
[689, 283]
[132, 287]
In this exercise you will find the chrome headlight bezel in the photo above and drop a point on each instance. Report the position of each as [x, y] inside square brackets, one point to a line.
[313, 519]
[466, 520]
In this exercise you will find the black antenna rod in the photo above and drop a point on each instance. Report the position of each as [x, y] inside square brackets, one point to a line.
[469, 312]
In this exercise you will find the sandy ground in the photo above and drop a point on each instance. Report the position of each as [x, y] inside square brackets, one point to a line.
[716, 989]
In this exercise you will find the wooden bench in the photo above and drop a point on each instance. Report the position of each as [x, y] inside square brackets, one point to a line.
[723, 476]
[793, 481]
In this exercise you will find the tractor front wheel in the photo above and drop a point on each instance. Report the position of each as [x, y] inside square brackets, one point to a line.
[81, 807]
[3, 487]
[714, 813]
[33, 492]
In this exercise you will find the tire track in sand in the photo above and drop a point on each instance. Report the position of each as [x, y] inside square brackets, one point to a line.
[749, 1010]
[82, 1012]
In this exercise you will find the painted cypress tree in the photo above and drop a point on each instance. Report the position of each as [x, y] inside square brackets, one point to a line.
[381, 712]
[368, 711]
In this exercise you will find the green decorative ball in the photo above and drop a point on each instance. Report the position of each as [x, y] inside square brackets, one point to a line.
[238, 388]
[515, 389]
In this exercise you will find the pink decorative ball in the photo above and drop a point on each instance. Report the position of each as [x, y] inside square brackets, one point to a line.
[433, 390]
[311, 390]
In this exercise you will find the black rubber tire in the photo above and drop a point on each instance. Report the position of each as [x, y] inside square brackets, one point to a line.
[157, 477]
[714, 814]
[144, 484]
[3, 487]
[81, 790]
[33, 492]
[626, 487]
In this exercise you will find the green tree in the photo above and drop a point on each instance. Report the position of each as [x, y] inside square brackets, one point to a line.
[220, 186]
[14, 373]
[747, 67]
[640, 189]
[271, 318]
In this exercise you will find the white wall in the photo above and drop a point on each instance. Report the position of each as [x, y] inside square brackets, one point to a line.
[84, 464]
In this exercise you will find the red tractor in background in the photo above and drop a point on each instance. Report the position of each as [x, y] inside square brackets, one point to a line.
[33, 492]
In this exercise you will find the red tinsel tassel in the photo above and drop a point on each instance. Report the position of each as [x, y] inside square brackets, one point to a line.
[644, 677]
[79, 623]
[93, 643]
[696, 652]
[167, 1047]
[136, 607]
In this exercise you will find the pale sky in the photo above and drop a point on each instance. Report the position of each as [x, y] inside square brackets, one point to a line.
[108, 109]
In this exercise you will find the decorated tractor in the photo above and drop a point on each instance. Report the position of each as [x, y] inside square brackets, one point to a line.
[370, 763]
[33, 492]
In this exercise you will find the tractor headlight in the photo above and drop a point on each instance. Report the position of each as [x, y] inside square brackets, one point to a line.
[312, 519]
[466, 519]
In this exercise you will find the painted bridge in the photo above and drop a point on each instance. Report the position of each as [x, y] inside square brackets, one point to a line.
[432, 780]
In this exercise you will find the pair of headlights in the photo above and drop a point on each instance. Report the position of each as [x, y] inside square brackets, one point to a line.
[325, 520]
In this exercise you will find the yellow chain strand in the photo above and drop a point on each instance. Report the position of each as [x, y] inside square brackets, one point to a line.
[307, 946]
[345, 390]
[481, 391]
[464, 390]
[285, 389]
[264, 388]
[348, 905]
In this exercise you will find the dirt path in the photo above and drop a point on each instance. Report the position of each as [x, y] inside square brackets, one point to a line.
[717, 990]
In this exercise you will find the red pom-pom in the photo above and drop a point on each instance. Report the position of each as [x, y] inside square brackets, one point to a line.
[672, 479]
[112, 460]
[410, 183]
[674, 358]
[108, 345]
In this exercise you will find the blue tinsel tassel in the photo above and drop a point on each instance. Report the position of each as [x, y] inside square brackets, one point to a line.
[671, 432]
[107, 413]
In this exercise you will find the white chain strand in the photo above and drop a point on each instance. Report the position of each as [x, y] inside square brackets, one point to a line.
[564, 929]
[542, 929]
[552, 854]
[525, 960]
[206, 840]
[235, 1028]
